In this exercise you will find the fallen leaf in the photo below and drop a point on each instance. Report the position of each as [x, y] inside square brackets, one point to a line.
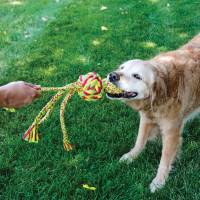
[95, 42]
[44, 19]
[10, 109]
[15, 3]
[103, 8]
[103, 28]
[90, 188]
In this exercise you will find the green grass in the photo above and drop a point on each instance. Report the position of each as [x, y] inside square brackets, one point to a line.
[55, 52]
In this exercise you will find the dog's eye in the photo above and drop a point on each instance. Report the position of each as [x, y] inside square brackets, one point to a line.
[122, 67]
[137, 76]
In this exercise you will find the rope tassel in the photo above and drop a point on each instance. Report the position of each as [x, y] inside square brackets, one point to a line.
[32, 135]
[90, 87]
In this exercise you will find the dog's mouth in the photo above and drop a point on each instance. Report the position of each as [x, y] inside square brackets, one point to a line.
[124, 95]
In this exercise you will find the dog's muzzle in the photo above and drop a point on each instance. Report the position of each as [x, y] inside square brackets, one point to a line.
[114, 77]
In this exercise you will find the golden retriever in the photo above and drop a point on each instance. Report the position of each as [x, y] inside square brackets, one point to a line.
[166, 92]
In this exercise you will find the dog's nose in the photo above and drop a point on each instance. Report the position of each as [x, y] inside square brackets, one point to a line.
[114, 76]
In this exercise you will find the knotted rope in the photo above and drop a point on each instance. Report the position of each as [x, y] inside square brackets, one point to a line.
[90, 87]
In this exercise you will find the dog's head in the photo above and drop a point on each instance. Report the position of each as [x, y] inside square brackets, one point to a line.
[139, 80]
[135, 78]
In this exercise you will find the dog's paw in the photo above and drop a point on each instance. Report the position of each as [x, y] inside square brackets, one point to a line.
[126, 158]
[157, 183]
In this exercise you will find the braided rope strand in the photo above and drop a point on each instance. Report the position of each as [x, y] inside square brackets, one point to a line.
[32, 135]
[66, 143]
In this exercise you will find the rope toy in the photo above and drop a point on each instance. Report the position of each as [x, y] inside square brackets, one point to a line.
[90, 87]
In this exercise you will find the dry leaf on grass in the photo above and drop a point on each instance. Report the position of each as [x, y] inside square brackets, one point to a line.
[103, 8]
[103, 28]
[90, 188]
[44, 19]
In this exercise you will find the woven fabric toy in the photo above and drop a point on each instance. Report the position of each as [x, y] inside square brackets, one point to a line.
[90, 87]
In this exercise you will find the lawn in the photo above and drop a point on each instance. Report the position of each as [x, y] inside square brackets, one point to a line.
[51, 43]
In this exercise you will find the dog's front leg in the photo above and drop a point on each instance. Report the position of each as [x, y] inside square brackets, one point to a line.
[146, 130]
[171, 141]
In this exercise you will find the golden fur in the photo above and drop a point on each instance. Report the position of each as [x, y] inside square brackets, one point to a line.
[173, 97]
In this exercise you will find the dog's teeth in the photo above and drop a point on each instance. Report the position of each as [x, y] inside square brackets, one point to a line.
[123, 94]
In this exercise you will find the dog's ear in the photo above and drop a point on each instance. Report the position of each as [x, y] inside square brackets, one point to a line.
[158, 91]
